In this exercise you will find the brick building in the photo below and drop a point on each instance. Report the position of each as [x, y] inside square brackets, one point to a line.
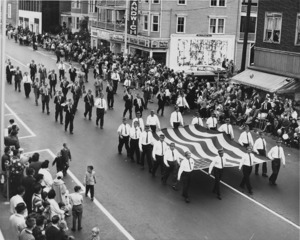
[277, 47]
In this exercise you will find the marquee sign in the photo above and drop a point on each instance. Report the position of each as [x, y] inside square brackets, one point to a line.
[133, 16]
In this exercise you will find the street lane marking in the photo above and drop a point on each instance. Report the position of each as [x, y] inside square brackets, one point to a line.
[1, 235]
[97, 203]
[9, 114]
[32, 134]
[43, 53]
[256, 202]
[16, 60]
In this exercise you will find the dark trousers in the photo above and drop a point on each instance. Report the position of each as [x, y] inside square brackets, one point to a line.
[153, 128]
[264, 165]
[27, 89]
[161, 107]
[9, 78]
[218, 176]
[89, 188]
[17, 85]
[159, 162]
[59, 112]
[245, 145]
[110, 101]
[115, 85]
[88, 110]
[169, 170]
[130, 112]
[176, 125]
[77, 215]
[69, 120]
[147, 152]
[100, 116]
[246, 177]
[61, 74]
[186, 181]
[45, 103]
[122, 141]
[134, 149]
[181, 109]
[52, 87]
[275, 170]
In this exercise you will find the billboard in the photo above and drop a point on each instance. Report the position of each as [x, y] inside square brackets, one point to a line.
[133, 17]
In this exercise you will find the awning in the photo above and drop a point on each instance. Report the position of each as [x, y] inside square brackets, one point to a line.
[261, 80]
[292, 87]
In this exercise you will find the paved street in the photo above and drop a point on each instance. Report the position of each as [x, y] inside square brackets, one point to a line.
[145, 208]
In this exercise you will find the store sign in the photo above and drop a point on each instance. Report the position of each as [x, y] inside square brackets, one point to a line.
[159, 44]
[117, 37]
[133, 17]
[94, 34]
[204, 35]
[139, 41]
[103, 35]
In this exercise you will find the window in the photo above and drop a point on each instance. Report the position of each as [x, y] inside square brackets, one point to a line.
[297, 41]
[145, 24]
[217, 3]
[155, 23]
[77, 22]
[180, 28]
[155, 1]
[273, 27]
[92, 6]
[181, 2]
[217, 25]
[76, 4]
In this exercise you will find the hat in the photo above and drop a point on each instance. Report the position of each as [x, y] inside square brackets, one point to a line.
[59, 174]
[279, 140]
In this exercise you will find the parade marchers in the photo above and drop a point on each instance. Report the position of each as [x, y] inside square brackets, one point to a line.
[219, 103]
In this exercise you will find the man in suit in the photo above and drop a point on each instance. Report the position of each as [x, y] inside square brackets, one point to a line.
[110, 95]
[66, 157]
[46, 94]
[128, 98]
[8, 72]
[77, 92]
[147, 95]
[138, 104]
[18, 79]
[73, 74]
[33, 70]
[69, 117]
[265, 106]
[58, 101]
[52, 81]
[42, 72]
[89, 103]
[64, 87]
[53, 232]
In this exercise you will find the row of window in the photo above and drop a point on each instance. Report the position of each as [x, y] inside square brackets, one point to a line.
[28, 5]
[213, 3]
[216, 25]
[273, 25]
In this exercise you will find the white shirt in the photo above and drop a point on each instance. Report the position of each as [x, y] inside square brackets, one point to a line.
[181, 102]
[171, 156]
[176, 117]
[277, 153]
[247, 160]
[143, 138]
[17, 223]
[115, 76]
[212, 122]
[135, 133]
[153, 120]
[55, 210]
[218, 162]
[101, 103]
[197, 120]
[141, 122]
[61, 66]
[124, 130]
[76, 198]
[227, 128]
[127, 83]
[14, 201]
[47, 180]
[159, 148]
[246, 138]
[26, 79]
[186, 165]
[260, 144]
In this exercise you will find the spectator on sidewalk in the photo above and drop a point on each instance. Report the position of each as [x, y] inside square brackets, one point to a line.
[18, 198]
[77, 208]
[89, 181]
[17, 220]
[26, 233]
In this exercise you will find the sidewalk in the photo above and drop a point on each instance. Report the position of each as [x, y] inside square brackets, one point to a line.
[4, 219]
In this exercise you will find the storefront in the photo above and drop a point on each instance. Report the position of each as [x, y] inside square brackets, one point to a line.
[31, 20]
[117, 43]
[100, 39]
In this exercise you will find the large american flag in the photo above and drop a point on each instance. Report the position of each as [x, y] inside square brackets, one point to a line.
[204, 145]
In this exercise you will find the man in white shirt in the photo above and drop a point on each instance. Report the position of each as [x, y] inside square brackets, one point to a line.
[135, 133]
[197, 119]
[18, 198]
[171, 161]
[17, 220]
[146, 145]
[212, 122]
[181, 102]
[124, 131]
[184, 174]
[260, 147]
[176, 118]
[101, 108]
[277, 155]
[76, 201]
[246, 138]
[61, 69]
[247, 163]
[153, 121]
[158, 153]
[116, 79]
[218, 163]
[27, 84]
[227, 129]
[139, 120]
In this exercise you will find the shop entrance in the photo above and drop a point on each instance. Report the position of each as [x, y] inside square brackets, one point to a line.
[160, 57]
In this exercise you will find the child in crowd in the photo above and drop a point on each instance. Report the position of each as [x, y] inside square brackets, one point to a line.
[89, 181]
[95, 234]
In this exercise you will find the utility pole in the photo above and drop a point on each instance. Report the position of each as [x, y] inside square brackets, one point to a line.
[245, 43]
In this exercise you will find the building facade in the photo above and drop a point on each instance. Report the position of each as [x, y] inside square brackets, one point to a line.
[12, 13]
[277, 47]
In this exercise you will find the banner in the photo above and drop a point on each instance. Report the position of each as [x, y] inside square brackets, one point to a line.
[133, 16]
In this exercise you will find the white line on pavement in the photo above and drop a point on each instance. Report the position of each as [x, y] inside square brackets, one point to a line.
[9, 114]
[97, 203]
[43, 53]
[16, 60]
[1, 235]
[257, 203]
[21, 121]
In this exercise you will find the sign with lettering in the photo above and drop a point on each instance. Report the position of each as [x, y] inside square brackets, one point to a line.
[159, 44]
[117, 37]
[133, 17]
[203, 35]
[139, 41]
